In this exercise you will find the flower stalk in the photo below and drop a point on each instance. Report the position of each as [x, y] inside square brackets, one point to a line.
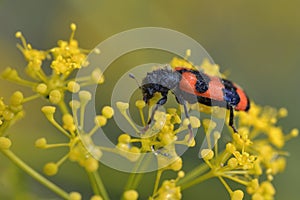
[34, 174]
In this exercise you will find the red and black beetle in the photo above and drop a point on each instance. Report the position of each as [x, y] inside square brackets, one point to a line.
[192, 86]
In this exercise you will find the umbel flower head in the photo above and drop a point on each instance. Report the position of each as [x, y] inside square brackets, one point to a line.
[252, 157]
[64, 60]
[12, 112]
[81, 147]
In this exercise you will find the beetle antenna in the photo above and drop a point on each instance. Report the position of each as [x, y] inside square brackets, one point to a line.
[133, 77]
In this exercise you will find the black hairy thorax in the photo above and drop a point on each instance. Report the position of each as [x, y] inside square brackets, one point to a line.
[160, 80]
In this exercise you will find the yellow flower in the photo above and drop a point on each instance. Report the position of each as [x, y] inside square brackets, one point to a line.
[65, 58]
[237, 195]
[177, 62]
[75, 196]
[168, 191]
[131, 195]
[265, 191]
[50, 169]
[5, 143]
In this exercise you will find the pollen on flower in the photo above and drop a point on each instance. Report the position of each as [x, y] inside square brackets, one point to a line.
[160, 116]
[130, 195]
[265, 191]
[67, 56]
[73, 86]
[232, 163]
[84, 97]
[169, 190]
[55, 96]
[91, 164]
[180, 174]
[10, 74]
[49, 111]
[124, 138]
[74, 104]
[5, 143]
[107, 112]
[237, 195]
[97, 76]
[33, 56]
[283, 112]
[50, 169]
[207, 154]
[124, 148]
[294, 132]
[17, 98]
[230, 147]
[178, 62]
[209, 68]
[41, 88]
[41, 143]
[122, 106]
[244, 159]
[176, 165]
[68, 122]
[18, 34]
[74, 196]
[96, 197]
[140, 104]
[133, 154]
[277, 137]
[8, 115]
[100, 120]
[252, 186]
[195, 122]
[73, 26]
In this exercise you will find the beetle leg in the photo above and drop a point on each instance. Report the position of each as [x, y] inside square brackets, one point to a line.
[191, 135]
[160, 102]
[231, 118]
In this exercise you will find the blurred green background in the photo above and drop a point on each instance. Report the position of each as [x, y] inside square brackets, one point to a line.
[257, 41]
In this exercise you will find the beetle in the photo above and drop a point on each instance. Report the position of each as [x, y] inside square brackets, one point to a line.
[192, 86]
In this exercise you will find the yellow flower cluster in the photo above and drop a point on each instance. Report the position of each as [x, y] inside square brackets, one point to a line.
[67, 56]
[161, 134]
[10, 113]
[64, 59]
[251, 158]
[81, 146]
[252, 154]
[169, 189]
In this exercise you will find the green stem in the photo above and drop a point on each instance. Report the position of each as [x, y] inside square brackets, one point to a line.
[130, 182]
[93, 183]
[34, 174]
[61, 129]
[63, 107]
[135, 178]
[100, 185]
[158, 175]
[22, 82]
[198, 180]
[199, 170]
[225, 185]
[30, 98]
[142, 117]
